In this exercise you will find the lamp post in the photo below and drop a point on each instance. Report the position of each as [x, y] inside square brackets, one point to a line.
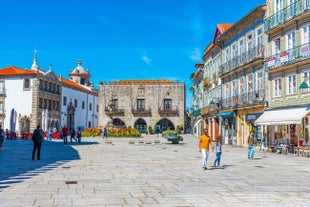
[303, 87]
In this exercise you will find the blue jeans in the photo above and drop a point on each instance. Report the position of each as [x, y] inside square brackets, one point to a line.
[205, 155]
[218, 159]
[251, 151]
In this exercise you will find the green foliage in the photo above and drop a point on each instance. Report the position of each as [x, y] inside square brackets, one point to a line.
[150, 129]
[169, 132]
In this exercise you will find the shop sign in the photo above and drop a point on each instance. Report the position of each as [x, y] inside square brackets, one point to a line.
[252, 117]
[284, 57]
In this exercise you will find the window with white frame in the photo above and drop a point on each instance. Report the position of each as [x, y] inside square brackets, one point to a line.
[259, 81]
[241, 46]
[291, 84]
[307, 79]
[226, 90]
[259, 36]
[227, 55]
[277, 45]
[278, 5]
[306, 34]
[241, 85]
[250, 83]
[234, 51]
[291, 40]
[277, 87]
[235, 87]
[2, 89]
[1, 107]
[249, 41]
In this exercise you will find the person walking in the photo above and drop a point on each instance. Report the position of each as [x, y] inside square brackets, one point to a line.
[105, 133]
[1, 137]
[37, 138]
[218, 152]
[204, 144]
[251, 143]
[72, 135]
[78, 134]
[65, 134]
[49, 134]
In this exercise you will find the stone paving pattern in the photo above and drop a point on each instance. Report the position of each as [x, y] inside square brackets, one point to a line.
[122, 174]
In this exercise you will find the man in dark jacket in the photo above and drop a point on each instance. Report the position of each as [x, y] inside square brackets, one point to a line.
[37, 138]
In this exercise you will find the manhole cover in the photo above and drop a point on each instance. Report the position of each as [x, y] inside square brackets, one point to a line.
[66, 167]
[259, 166]
[71, 182]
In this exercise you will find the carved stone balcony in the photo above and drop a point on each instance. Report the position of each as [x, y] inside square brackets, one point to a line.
[141, 112]
[115, 112]
[166, 112]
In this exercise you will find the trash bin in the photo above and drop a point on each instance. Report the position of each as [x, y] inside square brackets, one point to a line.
[300, 142]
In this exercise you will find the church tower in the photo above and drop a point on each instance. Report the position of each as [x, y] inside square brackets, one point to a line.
[79, 75]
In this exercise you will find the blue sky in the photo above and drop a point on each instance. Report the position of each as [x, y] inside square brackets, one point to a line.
[116, 40]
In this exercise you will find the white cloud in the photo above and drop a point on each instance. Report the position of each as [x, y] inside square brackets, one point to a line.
[196, 55]
[147, 60]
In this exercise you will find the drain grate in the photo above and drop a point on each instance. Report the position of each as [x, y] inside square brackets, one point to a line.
[71, 182]
[259, 166]
[66, 167]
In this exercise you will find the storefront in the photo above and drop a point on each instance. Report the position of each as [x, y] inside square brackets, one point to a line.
[258, 129]
[228, 127]
[289, 125]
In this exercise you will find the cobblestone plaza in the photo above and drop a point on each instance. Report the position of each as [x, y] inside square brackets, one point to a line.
[149, 174]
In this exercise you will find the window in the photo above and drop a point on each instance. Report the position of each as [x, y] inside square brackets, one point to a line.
[227, 55]
[306, 34]
[45, 104]
[249, 42]
[140, 91]
[49, 104]
[234, 51]
[97, 108]
[167, 104]
[226, 90]
[235, 88]
[75, 103]
[2, 87]
[277, 87]
[260, 83]
[40, 103]
[241, 86]
[90, 106]
[140, 104]
[291, 41]
[26, 83]
[259, 36]
[241, 46]
[83, 105]
[250, 83]
[291, 84]
[1, 107]
[277, 46]
[64, 101]
[114, 105]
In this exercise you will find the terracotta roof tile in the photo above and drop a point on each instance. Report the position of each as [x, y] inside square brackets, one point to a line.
[15, 71]
[224, 27]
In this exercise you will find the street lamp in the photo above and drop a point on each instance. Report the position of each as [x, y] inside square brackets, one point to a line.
[303, 87]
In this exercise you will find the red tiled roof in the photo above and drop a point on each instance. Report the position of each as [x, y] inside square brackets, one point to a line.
[142, 82]
[15, 71]
[223, 27]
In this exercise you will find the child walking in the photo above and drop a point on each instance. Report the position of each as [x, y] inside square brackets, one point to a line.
[218, 152]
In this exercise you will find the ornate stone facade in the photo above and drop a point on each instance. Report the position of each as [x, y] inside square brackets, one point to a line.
[141, 104]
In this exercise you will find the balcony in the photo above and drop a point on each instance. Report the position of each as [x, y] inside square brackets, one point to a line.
[141, 112]
[287, 14]
[115, 112]
[249, 56]
[244, 100]
[287, 57]
[168, 112]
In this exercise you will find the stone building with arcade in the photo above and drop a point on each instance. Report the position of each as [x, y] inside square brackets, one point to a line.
[159, 104]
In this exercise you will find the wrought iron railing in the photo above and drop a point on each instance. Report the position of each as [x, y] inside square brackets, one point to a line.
[286, 14]
[246, 57]
[295, 54]
[245, 99]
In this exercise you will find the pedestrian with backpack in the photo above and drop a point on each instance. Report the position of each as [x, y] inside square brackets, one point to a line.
[37, 138]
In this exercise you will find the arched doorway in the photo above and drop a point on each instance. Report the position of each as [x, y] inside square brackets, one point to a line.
[164, 124]
[24, 123]
[70, 116]
[118, 123]
[141, 125]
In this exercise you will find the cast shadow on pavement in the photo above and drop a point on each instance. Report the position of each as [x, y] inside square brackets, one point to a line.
[16, 164]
